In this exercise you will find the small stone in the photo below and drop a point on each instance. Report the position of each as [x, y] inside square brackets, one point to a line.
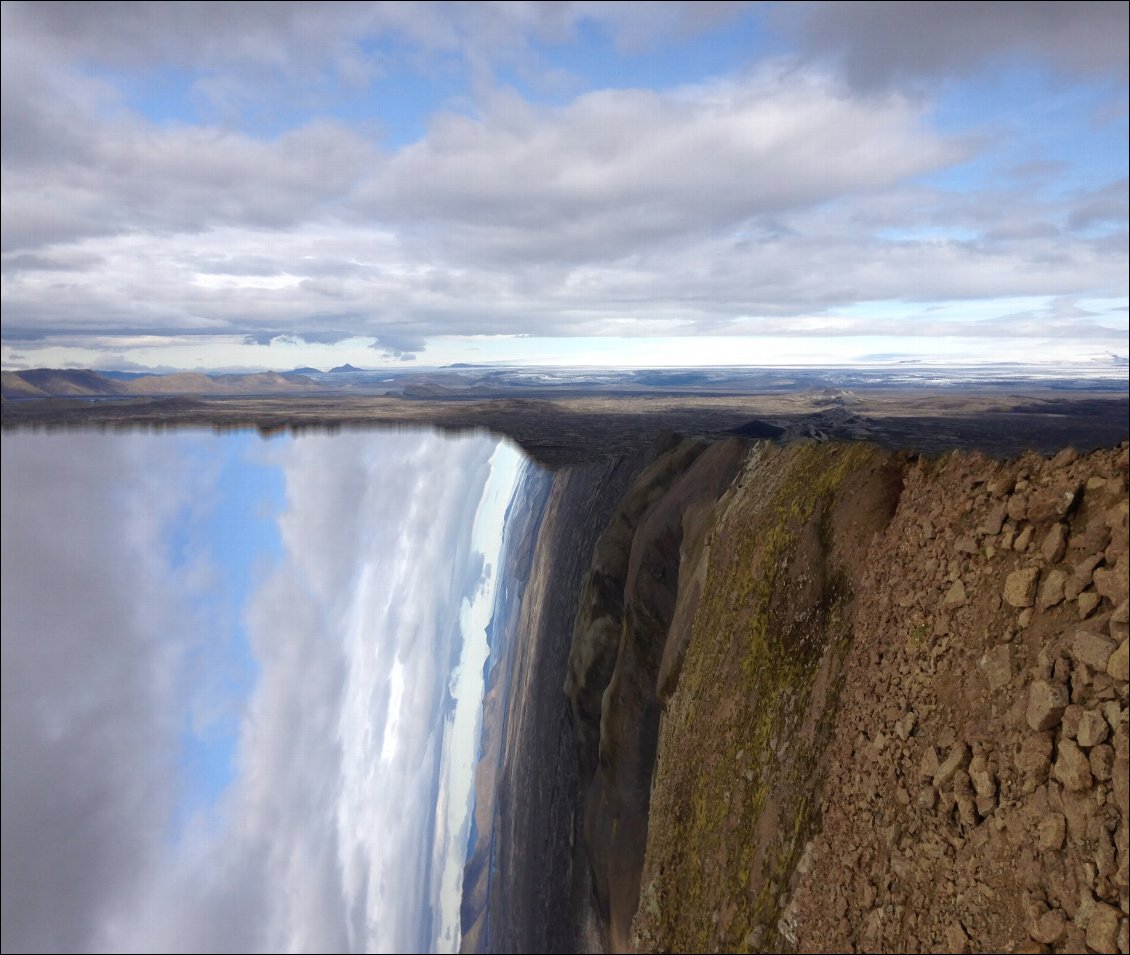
[1113, 713]
[1101, 758]
[958, 756]
[1020, 587]
[1102, 928]
[994, 520]
[955, 597]
[1092, 729]
[956, 939]
[1051, 590]
[1023, 539]
[1070, 721]
[986, 805]
[1046, 702]
[1055, 544]
[1118, 666]
[967, 810]
[927, 797]
[1024, 618]
[1034, 757]
[1072, 767]
[928, 764]
[996, 664]
[982, 776]
[1064, 458]
[966, 545]
[1121, 613]
[1088, 602]
[905, 726]
[1111, 583]
[1051, 929]
[1051, 830]
[1053, 503]
[1092, 649]
[1096, 483]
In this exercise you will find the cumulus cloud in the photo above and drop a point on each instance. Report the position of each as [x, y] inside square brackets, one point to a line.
[323, 839]
[90, 724]
[803, 184]
[882, 44]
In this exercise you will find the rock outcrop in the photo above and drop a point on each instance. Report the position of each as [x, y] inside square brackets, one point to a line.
[854, 700]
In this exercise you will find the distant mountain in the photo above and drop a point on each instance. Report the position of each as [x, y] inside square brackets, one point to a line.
[303, 371]
[69, 383]
[124, 375]
[344, 368]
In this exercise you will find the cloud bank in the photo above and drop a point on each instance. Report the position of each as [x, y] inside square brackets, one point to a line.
[323, 840]
[206, 173]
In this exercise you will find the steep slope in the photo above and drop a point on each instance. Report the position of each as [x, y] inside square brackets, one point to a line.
[901, 722]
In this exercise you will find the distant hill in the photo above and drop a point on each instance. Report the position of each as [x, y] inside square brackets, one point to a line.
[307, 370]
[344, 368]
[72, 383]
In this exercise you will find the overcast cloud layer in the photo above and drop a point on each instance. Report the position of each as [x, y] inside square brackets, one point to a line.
[323, 841]
[213, 174]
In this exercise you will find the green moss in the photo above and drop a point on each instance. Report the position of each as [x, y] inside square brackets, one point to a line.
[742, 697]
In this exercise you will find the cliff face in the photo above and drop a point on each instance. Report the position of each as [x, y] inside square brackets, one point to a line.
[827, 696]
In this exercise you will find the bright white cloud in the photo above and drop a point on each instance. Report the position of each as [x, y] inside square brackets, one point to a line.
[324, 840]
[790, 186]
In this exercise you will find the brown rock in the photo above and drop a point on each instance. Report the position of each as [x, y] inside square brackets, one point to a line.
[1051, 830]
[996, 664]
[1046, 702]
[1102, 928]
[966, 545]
[1064, 458]
[1072, 767]
[1053, 503]
[1070, 720]
[958, 756]
[1111, 583]
[1101, 758]
[1051, 928]
[982, 776]
[1092, 729]
[1034, 757]
[1051, 590]
[1020, 587]
[1017, 507]
[994, 520]
[1118, 666]
[1088, 603]
[955, 597]
[1092, 649]
[905, 726]
[928, 764]
[1055, 544]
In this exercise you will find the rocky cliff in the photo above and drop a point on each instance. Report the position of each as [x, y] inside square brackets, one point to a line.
[831, 697]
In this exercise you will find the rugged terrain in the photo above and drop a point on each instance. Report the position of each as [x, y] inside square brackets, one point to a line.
[843, 689]
[893, 694]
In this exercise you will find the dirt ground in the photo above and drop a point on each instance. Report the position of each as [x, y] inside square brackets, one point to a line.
[928, 755]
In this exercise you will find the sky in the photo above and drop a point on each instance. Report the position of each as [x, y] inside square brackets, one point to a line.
[242, 687]
[239, 186]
